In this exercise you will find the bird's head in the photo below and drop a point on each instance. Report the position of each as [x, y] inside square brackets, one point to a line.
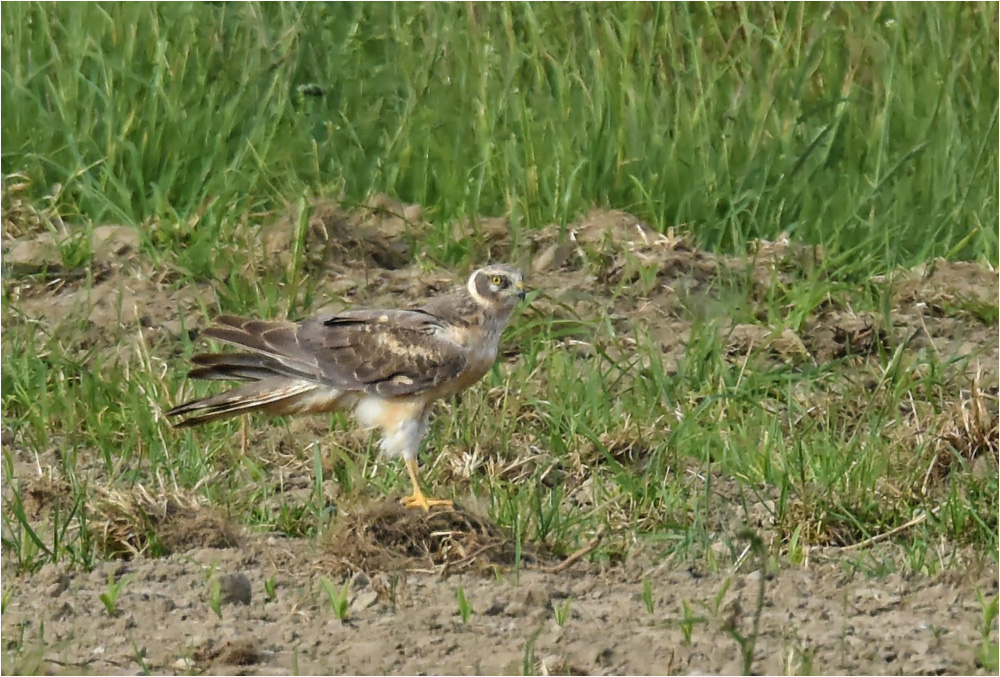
[497, 287]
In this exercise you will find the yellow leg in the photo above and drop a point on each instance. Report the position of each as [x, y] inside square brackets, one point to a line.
[417, 498]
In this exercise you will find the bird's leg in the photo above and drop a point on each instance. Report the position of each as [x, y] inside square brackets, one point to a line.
[417, 498]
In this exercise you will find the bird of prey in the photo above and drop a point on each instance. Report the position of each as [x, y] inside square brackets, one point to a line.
[387, 366]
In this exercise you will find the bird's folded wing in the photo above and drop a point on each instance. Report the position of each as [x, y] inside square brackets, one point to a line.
[387, 353]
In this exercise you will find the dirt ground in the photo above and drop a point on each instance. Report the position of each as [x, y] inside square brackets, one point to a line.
[820, 615]
[403, 572]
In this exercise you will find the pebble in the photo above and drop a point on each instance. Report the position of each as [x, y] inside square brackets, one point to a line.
[234, 588]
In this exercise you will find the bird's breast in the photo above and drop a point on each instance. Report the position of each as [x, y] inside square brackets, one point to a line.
[480, 344]
[479, 360]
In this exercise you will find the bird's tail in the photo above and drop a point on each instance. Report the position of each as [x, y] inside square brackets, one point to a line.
[268, 390]
[275, 396]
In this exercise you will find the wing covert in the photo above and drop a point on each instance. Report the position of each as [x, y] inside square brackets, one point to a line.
[387, 353]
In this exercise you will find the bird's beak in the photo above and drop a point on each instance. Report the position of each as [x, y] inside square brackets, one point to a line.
[521, 291]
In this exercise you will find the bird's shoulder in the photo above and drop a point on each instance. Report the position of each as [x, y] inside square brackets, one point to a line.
[458, 309]
[373, 320]
[447, 316]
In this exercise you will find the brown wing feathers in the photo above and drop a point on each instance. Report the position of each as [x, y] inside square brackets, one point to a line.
[257, 335]
[299, 367]
[233, 366]
[280, 385]
[388, 353]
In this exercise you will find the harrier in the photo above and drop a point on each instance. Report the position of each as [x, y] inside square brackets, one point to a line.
[387, 366]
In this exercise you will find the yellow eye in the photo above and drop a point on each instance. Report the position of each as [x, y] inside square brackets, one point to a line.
[497, 281]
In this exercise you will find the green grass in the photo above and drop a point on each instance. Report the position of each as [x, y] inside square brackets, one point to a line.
[852, 126]
[870, 130]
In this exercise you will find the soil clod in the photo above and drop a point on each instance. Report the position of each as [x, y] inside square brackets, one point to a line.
[388, 536]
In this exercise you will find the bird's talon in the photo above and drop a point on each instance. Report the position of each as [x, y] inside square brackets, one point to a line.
[421, 501]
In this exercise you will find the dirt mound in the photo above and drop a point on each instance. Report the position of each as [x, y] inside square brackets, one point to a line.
[388, 537]
[134, 522]
[946, 286]
[378, 234]
[240, 652]
[833, 334]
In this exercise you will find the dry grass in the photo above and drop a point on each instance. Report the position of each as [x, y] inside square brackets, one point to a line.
[387, 537]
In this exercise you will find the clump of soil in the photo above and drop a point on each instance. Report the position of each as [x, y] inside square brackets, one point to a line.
[129, 523]
[388, 537]
[44, 491]
[835, 334]
[946, 286]
[136, 523]
[783, 345]
[967, 434]
[235, 652]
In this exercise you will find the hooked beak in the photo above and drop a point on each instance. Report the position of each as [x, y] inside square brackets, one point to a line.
[521, 291]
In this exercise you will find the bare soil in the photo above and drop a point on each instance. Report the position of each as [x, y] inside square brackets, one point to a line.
[408, 622]
[530, 611]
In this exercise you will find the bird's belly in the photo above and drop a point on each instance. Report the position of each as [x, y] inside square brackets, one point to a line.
[401, 419]
[388, 413]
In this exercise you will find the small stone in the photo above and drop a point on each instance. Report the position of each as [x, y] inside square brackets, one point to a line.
[720, 550]
[64, 611]
[163, 604]
[532, 595]
[58, 586]
[364, 599]
[496, 608]
[553, 664]
[360, 581]
[538, 616]
[111, 241]
[413, 214]
[234, 588]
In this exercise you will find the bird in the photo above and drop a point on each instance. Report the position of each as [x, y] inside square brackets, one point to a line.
[387, 367]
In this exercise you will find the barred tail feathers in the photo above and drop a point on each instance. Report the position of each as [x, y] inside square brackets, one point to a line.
[276, 396]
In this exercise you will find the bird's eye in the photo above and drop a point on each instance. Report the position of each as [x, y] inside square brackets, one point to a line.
[497, 281]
